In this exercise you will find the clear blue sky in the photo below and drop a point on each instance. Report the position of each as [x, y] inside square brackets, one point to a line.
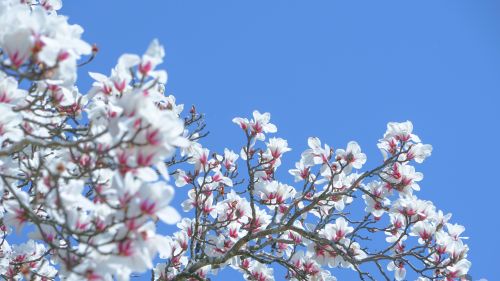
[339, 70]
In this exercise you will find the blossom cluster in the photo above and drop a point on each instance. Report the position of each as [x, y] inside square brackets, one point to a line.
[84, 176]
[307, 227]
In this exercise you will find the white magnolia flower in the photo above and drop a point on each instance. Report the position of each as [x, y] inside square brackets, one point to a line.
[398, 268]
[352, 155]
[316, 154]
[338, 231]
[401, 132]
[259, 125]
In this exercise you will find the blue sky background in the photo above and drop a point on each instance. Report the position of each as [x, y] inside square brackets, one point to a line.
[339, 70]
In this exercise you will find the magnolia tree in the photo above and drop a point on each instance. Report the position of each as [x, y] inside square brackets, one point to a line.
[85, 181]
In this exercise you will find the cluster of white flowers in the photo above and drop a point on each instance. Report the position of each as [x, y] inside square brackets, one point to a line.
[268, 221]
[36, 40]
[83, 174]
